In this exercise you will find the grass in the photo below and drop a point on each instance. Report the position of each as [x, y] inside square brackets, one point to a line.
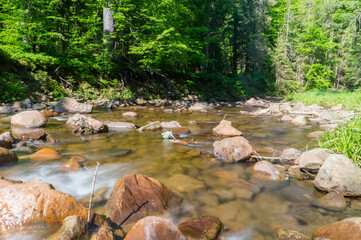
[328, 98]
[345, 139]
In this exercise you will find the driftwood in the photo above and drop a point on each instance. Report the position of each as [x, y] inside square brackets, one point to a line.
[92, 193]
[269, 158]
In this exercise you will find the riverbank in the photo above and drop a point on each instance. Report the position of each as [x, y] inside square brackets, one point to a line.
[328, 98]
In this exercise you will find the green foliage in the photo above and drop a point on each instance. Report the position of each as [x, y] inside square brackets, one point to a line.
[318, 76]
[328, 98]
[345, 139]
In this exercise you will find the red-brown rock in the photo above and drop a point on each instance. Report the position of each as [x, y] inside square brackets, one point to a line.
[49, 113]
[232, 149]
[267, 170]
[140, 194]
[33, 135]
[349, 228]
[104, 233]
[202, 228]
[36, 201]
[45, 154]
[154, 228]
[74, 163]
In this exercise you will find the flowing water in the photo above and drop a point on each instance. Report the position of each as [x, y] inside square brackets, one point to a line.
[204, 183]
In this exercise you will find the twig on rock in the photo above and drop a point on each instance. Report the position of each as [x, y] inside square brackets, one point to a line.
[92, 192]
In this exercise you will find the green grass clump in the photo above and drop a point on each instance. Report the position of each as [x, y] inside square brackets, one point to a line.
[328, 98]
[345, 139]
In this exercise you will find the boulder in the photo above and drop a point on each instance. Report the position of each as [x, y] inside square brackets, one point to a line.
[29, 119]
[36, 201]
[120, 126]
[172, 124]
[154, 228]
[86, 125]
[339, 172]
[349, 228]
[275, 108]
[174, 127]
[45, 154]
[299, 107]
[130, 114]
[225, 129]
[7, 157]
[312, 160]
[6, 140]
[141, 195]
[33, 135]
[329, 127]
[153, 126]
[332, 201]
[268, 171]
[70, 105]
[104, 233]
[232, 149]
[285, 234]
[285, 107]
[199, 107]
[49, 113]
[299, 121]
[26, 103]
[182, 183]
[73, 228]
[39, 106]
[201, 228]
[295, 172]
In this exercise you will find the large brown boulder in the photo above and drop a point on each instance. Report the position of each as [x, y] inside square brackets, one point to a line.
[154, 228]
[349, 228]
[339, 172]
[202, 228]
[70, 105]
[7, 157]
[137, 196]
[232, 149]
[86, 125]
[36, 201]
[312, 160]
[29, 119]
[225, 129]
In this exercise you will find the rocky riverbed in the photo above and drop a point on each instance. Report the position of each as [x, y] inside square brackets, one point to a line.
[234, 170]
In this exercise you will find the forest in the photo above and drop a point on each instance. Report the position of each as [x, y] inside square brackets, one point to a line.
[223, 49]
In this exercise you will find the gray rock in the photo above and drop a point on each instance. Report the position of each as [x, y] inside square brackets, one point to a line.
[6, 109]
[70, 105]
[86, 125]
[153, 126]
[225, 129]
[299, 107]
[275, 108]
[26, 103]
[172, 124]
[129, 114]
[290, 154]
[332, 201]
[39, 106]
[329, 127]
[29, 119]
[312, 160]
[200, 107]
[339, 172]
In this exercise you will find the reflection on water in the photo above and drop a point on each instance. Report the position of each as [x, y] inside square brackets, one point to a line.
[207, 186]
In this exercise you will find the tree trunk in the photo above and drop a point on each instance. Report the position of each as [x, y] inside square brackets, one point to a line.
[108, 27]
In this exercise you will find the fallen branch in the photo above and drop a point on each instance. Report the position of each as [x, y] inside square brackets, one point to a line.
[92, 192]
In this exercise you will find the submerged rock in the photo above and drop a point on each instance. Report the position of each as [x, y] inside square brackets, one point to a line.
[45, 154]
[36, 201]
[225, 129]
[183, 183]
[130, 114]
[315, 134]
[141, 195]
[339, 172]
[202, 228]
[154, 228]
[29, 119]
[285, 234]
[33, 135]
[199, 107]
[73, 228]
[86, 125]
[232, 149]
[7, 157]
[332, 201]
[349, 228]
[70, 105]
